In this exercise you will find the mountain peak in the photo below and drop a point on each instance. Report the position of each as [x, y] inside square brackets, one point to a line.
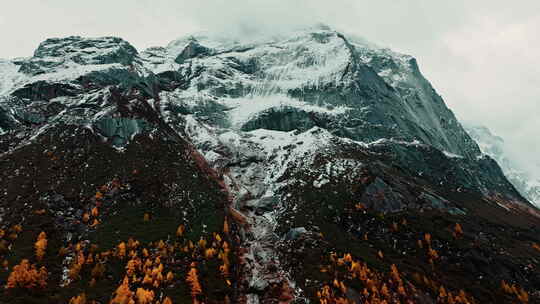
[55, 52]
[245, 162]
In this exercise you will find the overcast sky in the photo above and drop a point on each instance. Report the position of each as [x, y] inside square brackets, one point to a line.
[482, 56]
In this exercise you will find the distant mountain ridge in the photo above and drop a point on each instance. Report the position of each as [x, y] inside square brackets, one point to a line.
[494, 146]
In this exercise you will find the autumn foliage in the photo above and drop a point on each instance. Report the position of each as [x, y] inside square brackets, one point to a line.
[180, 230]
[26, 275]
[80, 299]
[375, 287]
[144, 296]
[458, 231]
[123, 294]
[41, 245]
[167, 300]
[193, 281]
[521, 295]
[121, 250]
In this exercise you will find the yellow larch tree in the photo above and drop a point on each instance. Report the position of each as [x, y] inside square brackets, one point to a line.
[80, 299]
[121, 250]
[458, 231]
[225, 226]
[180, 230]
[193, 281]
[95, 212]
[41, 245]
[144, 296]
[169, 277]
[123, 295]
[167, 300]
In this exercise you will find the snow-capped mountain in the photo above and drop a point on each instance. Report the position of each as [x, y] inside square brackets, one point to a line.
[292, 146]
[494, 146]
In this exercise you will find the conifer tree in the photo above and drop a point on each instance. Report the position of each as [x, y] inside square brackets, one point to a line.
[41, 245]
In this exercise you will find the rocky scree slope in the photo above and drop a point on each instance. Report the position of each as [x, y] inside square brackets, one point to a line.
[294, 148]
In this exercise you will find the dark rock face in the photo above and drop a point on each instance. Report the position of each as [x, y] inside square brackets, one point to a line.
[43, 90]
[120, 130]
[284, 119]
[305, 145]
[192, 50]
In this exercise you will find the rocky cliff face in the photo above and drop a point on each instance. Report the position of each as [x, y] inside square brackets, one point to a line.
[301, 145]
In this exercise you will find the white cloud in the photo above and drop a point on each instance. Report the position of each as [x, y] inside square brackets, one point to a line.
[495, 80]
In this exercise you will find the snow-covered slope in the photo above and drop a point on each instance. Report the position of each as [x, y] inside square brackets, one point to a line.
[494, 146]
[352, 89]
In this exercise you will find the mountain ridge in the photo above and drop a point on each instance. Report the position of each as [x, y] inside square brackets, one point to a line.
[308, 140]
